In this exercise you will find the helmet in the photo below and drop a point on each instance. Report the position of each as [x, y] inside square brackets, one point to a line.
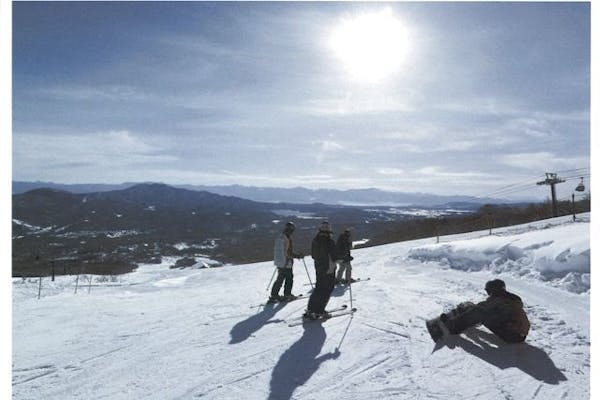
[289, 226]
[325, 227]
[495, 286]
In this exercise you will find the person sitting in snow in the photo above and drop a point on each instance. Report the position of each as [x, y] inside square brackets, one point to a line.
[502, 313]
[283, 258]
[324, 254]
[343, 246]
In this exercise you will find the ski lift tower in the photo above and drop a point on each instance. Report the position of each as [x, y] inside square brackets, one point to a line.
[552, 179]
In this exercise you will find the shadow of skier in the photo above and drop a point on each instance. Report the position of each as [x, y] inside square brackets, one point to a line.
[529, 359]
[339, 290]
[244, 329]
[298, 363]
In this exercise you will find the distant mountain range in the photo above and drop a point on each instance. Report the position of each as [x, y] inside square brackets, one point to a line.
[298, 195]
[85, 228]
[112, 230]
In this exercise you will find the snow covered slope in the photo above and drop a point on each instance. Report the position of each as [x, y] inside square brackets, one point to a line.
[188, 334]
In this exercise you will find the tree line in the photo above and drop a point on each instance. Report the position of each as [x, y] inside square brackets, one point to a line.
[487, 217]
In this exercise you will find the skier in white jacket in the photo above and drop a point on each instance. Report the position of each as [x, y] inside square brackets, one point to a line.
[283, 258]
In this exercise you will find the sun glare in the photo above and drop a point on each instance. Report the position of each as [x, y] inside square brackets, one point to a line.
[371, 46]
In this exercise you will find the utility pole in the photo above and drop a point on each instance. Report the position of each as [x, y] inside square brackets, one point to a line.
[552, 179]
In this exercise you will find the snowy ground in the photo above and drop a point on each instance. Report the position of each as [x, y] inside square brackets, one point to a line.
[187, 334]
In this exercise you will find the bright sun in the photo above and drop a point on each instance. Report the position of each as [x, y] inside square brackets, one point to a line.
[371, 46]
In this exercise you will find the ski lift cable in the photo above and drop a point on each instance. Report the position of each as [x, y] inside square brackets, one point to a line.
[515, 190]
[517, 187]
[512, 186]
[573, 177]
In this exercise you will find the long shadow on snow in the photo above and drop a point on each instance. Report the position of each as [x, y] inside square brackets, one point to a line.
[298, 363]
[490, 348]
[244, 329]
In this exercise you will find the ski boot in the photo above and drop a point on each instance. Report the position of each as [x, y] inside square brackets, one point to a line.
[436, 328]
[323, 315]
[309, 315]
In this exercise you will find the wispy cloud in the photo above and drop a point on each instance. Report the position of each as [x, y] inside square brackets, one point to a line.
[543, 161]
[330, 146]
[391, 171]
[101, 151]
[436, 171]
[93, 92]
[349, 105]
[480, 105]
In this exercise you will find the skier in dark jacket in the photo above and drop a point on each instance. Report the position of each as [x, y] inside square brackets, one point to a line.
[502, 313]
[323, 253]
[343, 247]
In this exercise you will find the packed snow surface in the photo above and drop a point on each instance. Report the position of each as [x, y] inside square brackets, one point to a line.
[161, 333]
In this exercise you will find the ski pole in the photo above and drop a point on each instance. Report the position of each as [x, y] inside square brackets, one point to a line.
[307, 274]
[350, 286]
[272, 276]
[345, 332]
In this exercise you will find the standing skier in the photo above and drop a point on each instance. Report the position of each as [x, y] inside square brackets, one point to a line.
[283, 258]
[343, 246]
[502, 313]
[323, 253]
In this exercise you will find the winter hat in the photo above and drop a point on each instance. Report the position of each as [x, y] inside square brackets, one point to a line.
[289, 226]
[495, 286]
[325, 227]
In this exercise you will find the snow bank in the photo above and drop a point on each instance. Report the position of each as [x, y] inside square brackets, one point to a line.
[560, 256]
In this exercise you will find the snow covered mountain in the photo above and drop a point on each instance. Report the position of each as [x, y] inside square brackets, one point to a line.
[297, 195]
[160, 333]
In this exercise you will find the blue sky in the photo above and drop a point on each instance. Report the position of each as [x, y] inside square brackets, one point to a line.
[479, 96]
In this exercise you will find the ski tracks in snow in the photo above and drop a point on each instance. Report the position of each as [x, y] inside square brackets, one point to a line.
[195, 338]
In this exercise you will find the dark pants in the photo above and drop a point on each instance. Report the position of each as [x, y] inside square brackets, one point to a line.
[320, 296]
[283, 274]
[467, 315]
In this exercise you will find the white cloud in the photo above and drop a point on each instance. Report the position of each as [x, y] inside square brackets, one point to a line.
[436, 171]
[543, 161]
[355, 104]
[313, 177]
[390, 171]
[480, 105]
[330, 145]
[96, 93]
[102, 153]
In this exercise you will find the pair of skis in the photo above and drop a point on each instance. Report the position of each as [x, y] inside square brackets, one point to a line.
[299, 297]
[333, 313]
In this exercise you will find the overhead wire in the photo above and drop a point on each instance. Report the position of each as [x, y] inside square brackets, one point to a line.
[531, 184]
